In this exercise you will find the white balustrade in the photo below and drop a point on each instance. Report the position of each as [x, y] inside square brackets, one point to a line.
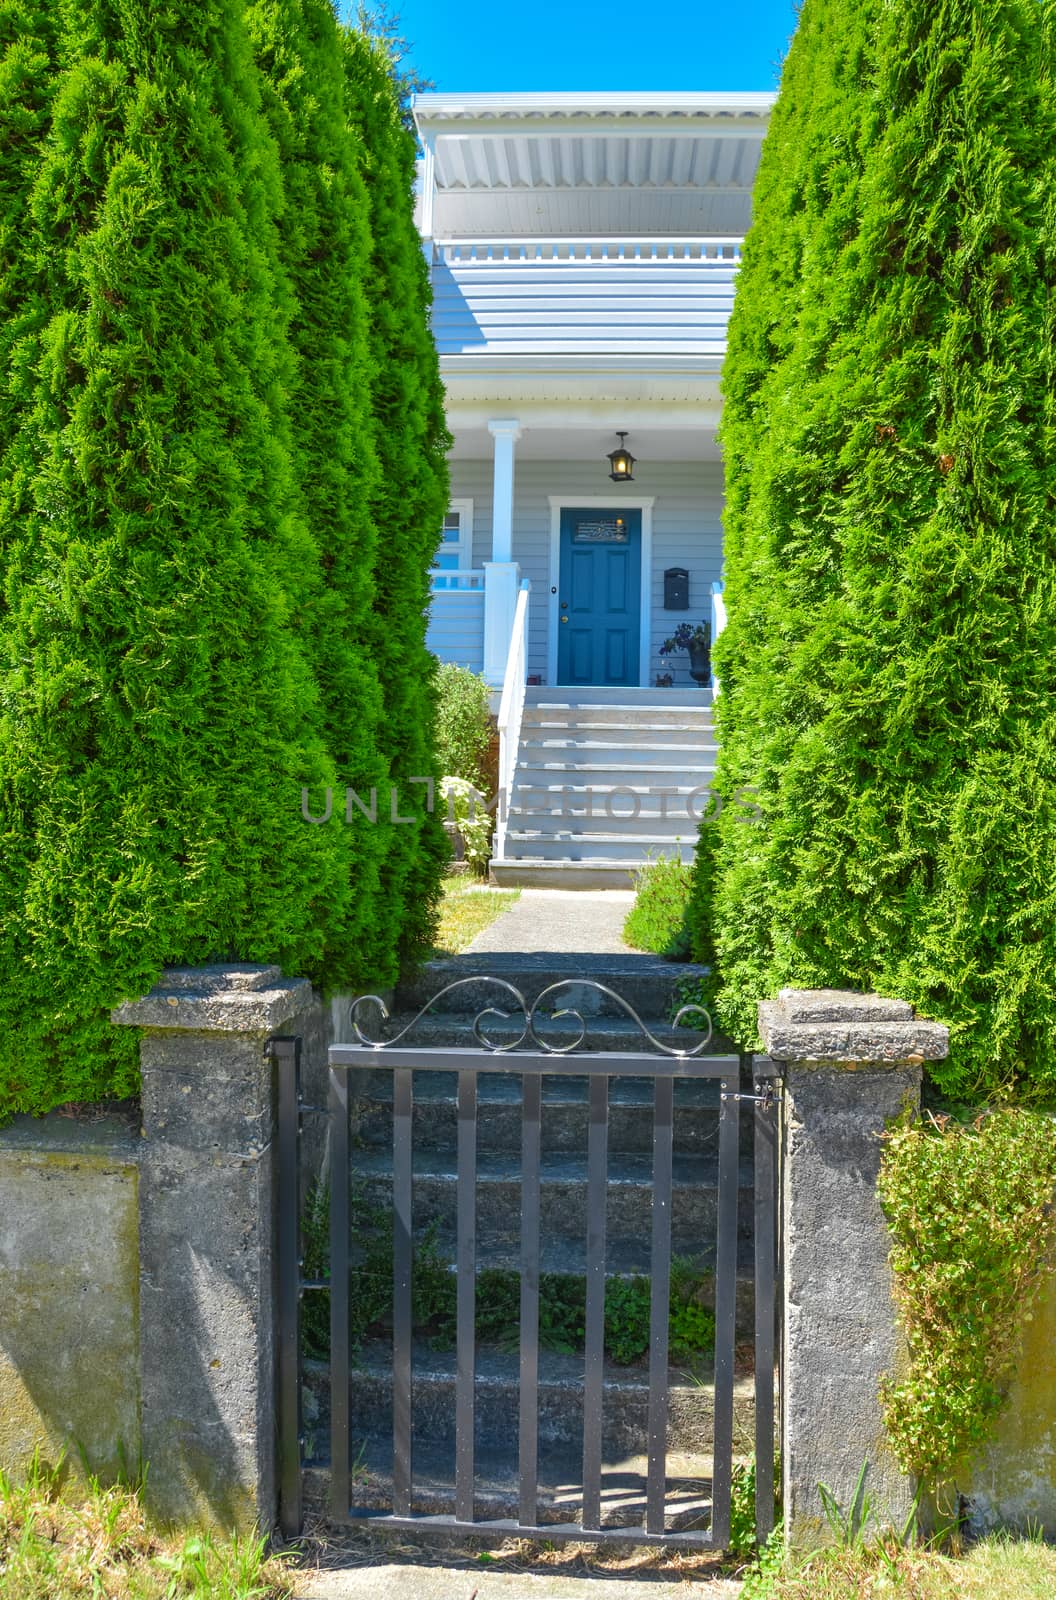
[719, 249]
[718, 622]
[460, 582]
[511, 712]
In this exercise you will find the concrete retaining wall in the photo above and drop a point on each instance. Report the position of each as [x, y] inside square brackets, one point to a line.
[69, 1305]
[1014, 1481]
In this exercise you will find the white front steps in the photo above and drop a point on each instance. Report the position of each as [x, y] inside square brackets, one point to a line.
[605, 780]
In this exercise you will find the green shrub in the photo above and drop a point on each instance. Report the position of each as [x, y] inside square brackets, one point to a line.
[412, 487]
[158, 713]
[463, 724]
[324, 248]
[465, 808]
[970, 1208]
[192, 622]
[887, 670]
[658, 920]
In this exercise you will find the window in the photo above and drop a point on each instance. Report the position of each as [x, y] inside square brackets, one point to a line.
[455, 549]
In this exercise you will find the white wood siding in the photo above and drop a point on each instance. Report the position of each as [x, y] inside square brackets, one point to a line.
[687, 532]
[520, 306]
[456, 627]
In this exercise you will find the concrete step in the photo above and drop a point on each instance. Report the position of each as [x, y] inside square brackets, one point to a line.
[452, 1030]
[592, 802]
[690, 719]
[509, 872]
[640, 775]
[575, 698]
[628, 741]
[570, 824]
[495, 1496]
[629, 1197]
[606, 848]
[647, 983]
[691, 1401]
[565, 1114]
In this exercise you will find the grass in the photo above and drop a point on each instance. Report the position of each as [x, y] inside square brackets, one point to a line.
[1001, 1567]
[67, 1540]
[465, 911]
[63, 1539]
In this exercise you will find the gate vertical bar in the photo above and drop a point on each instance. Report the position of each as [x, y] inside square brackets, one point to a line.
[340, 1498]
[660, 1308]
[725, 1309]
[286, 1054]
[402, 1268]
[594, 1340]
[466, 1293]
[765, 1306]
[531, 1147]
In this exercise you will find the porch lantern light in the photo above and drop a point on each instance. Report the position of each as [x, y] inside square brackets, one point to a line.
[622, 462]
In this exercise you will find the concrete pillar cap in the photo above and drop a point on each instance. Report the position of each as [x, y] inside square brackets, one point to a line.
[228, 997]
[838, 1026]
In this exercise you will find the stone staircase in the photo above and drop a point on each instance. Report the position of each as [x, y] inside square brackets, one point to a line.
[605, 780]
[649, 985]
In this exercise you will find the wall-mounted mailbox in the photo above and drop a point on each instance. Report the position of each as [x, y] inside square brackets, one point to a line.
[676, 589]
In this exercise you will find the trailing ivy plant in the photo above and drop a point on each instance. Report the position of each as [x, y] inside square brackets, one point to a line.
[970, 1208]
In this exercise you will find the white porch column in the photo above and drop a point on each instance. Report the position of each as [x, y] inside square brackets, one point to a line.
[502, 575]
[505, 435]
[427, 177]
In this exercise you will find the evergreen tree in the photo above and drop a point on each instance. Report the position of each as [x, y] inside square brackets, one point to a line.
[325, 251]
[889, 669]
[158, 715]
[412, 440]
[27, 74]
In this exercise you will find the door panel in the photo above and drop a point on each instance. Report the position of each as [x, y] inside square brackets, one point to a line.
[599, 594]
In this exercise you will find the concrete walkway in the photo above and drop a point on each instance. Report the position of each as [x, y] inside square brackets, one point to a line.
[562, 921]
[388, 1582]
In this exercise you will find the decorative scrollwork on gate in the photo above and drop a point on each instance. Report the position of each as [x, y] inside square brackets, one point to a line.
[531, 1013]
[478, 1021]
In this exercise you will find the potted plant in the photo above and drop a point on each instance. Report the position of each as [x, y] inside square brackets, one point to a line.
[696, 638]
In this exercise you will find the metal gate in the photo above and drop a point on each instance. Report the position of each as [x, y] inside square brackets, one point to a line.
[531, 1058]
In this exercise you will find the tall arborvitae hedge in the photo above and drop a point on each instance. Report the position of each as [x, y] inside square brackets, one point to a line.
[158, 714]
[889, 671]
[325, 249]
[412, 492]
[27, 83]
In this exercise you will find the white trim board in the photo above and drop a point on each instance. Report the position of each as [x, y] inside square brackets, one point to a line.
[604, 502]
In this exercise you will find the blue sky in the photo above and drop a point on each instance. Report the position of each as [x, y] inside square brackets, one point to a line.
[466, 45]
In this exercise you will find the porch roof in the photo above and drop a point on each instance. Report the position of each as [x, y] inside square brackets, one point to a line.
[560, 164]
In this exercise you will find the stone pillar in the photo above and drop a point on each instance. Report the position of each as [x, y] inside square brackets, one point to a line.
[851, 1063]
[206, 1237]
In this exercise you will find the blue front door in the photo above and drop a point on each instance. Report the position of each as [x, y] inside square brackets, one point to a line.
[599, 596]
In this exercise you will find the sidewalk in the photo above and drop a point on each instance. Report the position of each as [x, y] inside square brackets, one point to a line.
[481, 1583]
[562, 921]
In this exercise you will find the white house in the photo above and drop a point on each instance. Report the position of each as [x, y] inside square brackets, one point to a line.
[583, 250]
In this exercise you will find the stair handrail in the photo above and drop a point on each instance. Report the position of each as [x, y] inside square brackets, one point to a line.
[511, 712]
[718, 622]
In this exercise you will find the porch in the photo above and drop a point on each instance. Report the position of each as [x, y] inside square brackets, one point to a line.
[583, 255]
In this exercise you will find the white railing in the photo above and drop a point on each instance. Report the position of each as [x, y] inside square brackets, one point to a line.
[448, 582]
[601, 248]
[718, 622]
[511, 712]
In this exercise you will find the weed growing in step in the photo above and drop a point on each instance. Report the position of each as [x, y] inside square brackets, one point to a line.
[562, 1297]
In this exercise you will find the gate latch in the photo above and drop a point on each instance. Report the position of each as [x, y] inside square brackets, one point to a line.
[768, 1097]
